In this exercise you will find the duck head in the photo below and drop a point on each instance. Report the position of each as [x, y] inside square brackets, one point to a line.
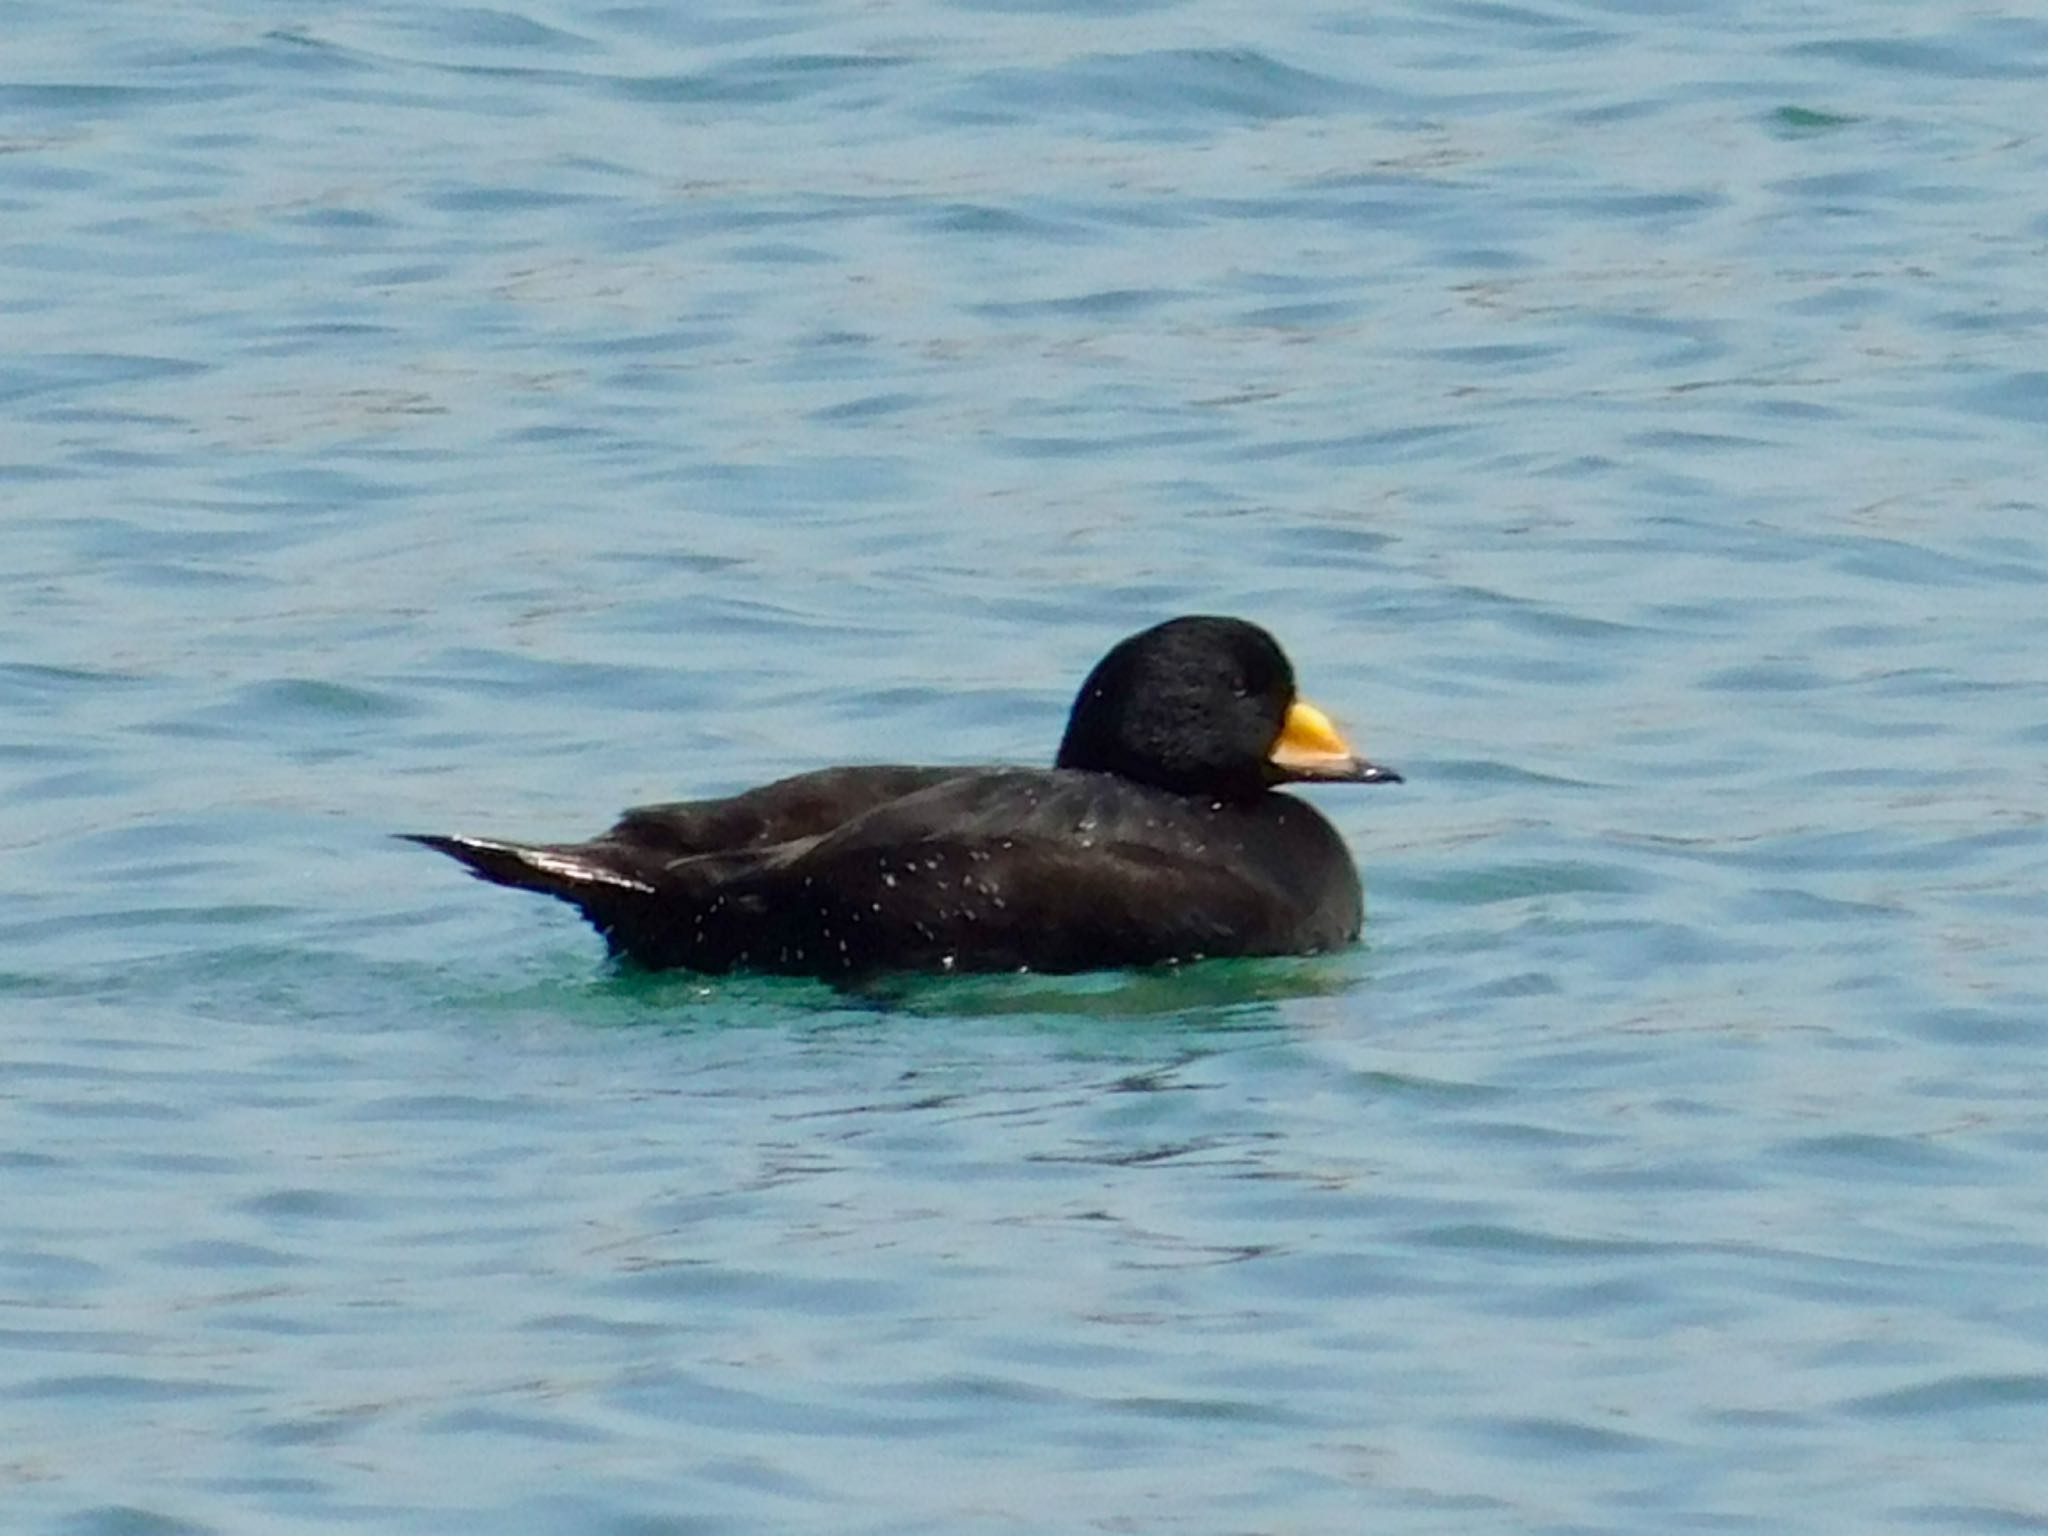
[1206, 706]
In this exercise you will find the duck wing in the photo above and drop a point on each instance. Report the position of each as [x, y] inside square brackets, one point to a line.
[670, 857]
[803, 805]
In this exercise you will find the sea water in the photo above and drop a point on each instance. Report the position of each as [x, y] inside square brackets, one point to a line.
[432, 417]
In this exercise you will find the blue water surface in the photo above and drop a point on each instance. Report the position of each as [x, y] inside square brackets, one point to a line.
[1633, 418]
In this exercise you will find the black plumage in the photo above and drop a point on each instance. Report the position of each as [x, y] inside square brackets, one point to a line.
[1157, 836]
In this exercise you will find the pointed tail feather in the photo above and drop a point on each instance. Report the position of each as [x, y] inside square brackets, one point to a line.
[658, 912]
[572, 874]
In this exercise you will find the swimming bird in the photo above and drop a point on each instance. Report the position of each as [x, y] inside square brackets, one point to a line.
[1157, 837]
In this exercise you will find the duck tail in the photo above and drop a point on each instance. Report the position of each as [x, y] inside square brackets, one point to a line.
[578, 874]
